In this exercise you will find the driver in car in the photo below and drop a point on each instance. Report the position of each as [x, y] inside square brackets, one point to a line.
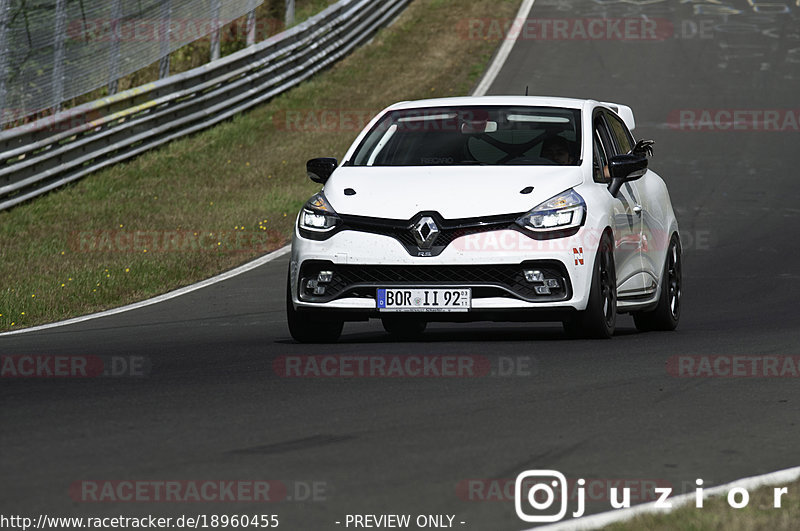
[556, 148]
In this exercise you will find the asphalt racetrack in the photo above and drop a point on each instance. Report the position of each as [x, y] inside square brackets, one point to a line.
[211, 405]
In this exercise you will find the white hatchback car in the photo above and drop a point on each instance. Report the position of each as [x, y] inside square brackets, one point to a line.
[490, 208]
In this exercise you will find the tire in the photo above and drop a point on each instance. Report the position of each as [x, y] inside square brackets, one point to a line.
[306, 328]
[667, 314]
[599, 319]
[404, 328]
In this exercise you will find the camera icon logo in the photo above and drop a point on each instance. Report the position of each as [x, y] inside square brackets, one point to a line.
[534, 489]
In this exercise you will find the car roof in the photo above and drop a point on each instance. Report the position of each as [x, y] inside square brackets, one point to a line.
[526, 101]
[623, 111]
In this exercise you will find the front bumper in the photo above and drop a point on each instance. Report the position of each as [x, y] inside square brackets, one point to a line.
[492, 264]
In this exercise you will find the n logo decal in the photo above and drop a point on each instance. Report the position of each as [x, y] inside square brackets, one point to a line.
[578, 253]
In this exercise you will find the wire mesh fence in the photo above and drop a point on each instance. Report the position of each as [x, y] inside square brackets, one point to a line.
[54, 50]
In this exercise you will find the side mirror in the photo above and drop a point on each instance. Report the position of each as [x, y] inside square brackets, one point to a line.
[319, 170]
[625, 168]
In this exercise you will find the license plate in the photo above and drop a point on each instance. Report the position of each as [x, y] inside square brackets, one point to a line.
[424, 300]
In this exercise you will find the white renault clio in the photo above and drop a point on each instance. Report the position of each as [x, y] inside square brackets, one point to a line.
[490, 208]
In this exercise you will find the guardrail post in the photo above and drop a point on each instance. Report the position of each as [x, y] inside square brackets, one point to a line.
[215, 35]
[289, 13]
[164, 38]
[5, 20]
[251, 23]
[113, 51]
[58, 56]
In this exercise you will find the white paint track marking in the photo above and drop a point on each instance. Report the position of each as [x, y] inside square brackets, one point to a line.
[161, 298]
[596, 521]
[505, 50]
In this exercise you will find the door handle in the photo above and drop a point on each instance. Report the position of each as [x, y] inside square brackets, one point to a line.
[638, 210]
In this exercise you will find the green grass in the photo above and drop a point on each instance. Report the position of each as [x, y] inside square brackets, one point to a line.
[245, 177]
[716, 514]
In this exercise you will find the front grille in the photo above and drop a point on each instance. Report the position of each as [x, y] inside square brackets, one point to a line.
[450, 230]
[486, 280]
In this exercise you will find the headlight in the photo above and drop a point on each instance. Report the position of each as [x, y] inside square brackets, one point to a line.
[564, 211]
[318, 215]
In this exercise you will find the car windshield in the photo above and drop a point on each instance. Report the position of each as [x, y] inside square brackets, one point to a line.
[486, 135]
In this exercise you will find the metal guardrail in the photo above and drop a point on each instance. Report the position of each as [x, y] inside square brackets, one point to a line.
[54, 151]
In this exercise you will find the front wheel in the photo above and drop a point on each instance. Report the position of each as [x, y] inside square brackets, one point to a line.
[599, 319]
[668, 311]
[306, 328]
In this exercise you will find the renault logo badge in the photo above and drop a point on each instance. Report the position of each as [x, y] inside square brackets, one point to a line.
[425, 232]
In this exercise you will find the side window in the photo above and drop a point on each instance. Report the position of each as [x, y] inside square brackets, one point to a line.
[621, 134]
[602, 151]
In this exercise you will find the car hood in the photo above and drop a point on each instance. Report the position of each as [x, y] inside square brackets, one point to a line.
[454, 192]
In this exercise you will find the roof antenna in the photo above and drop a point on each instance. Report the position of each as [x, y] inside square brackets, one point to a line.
[526, 90]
